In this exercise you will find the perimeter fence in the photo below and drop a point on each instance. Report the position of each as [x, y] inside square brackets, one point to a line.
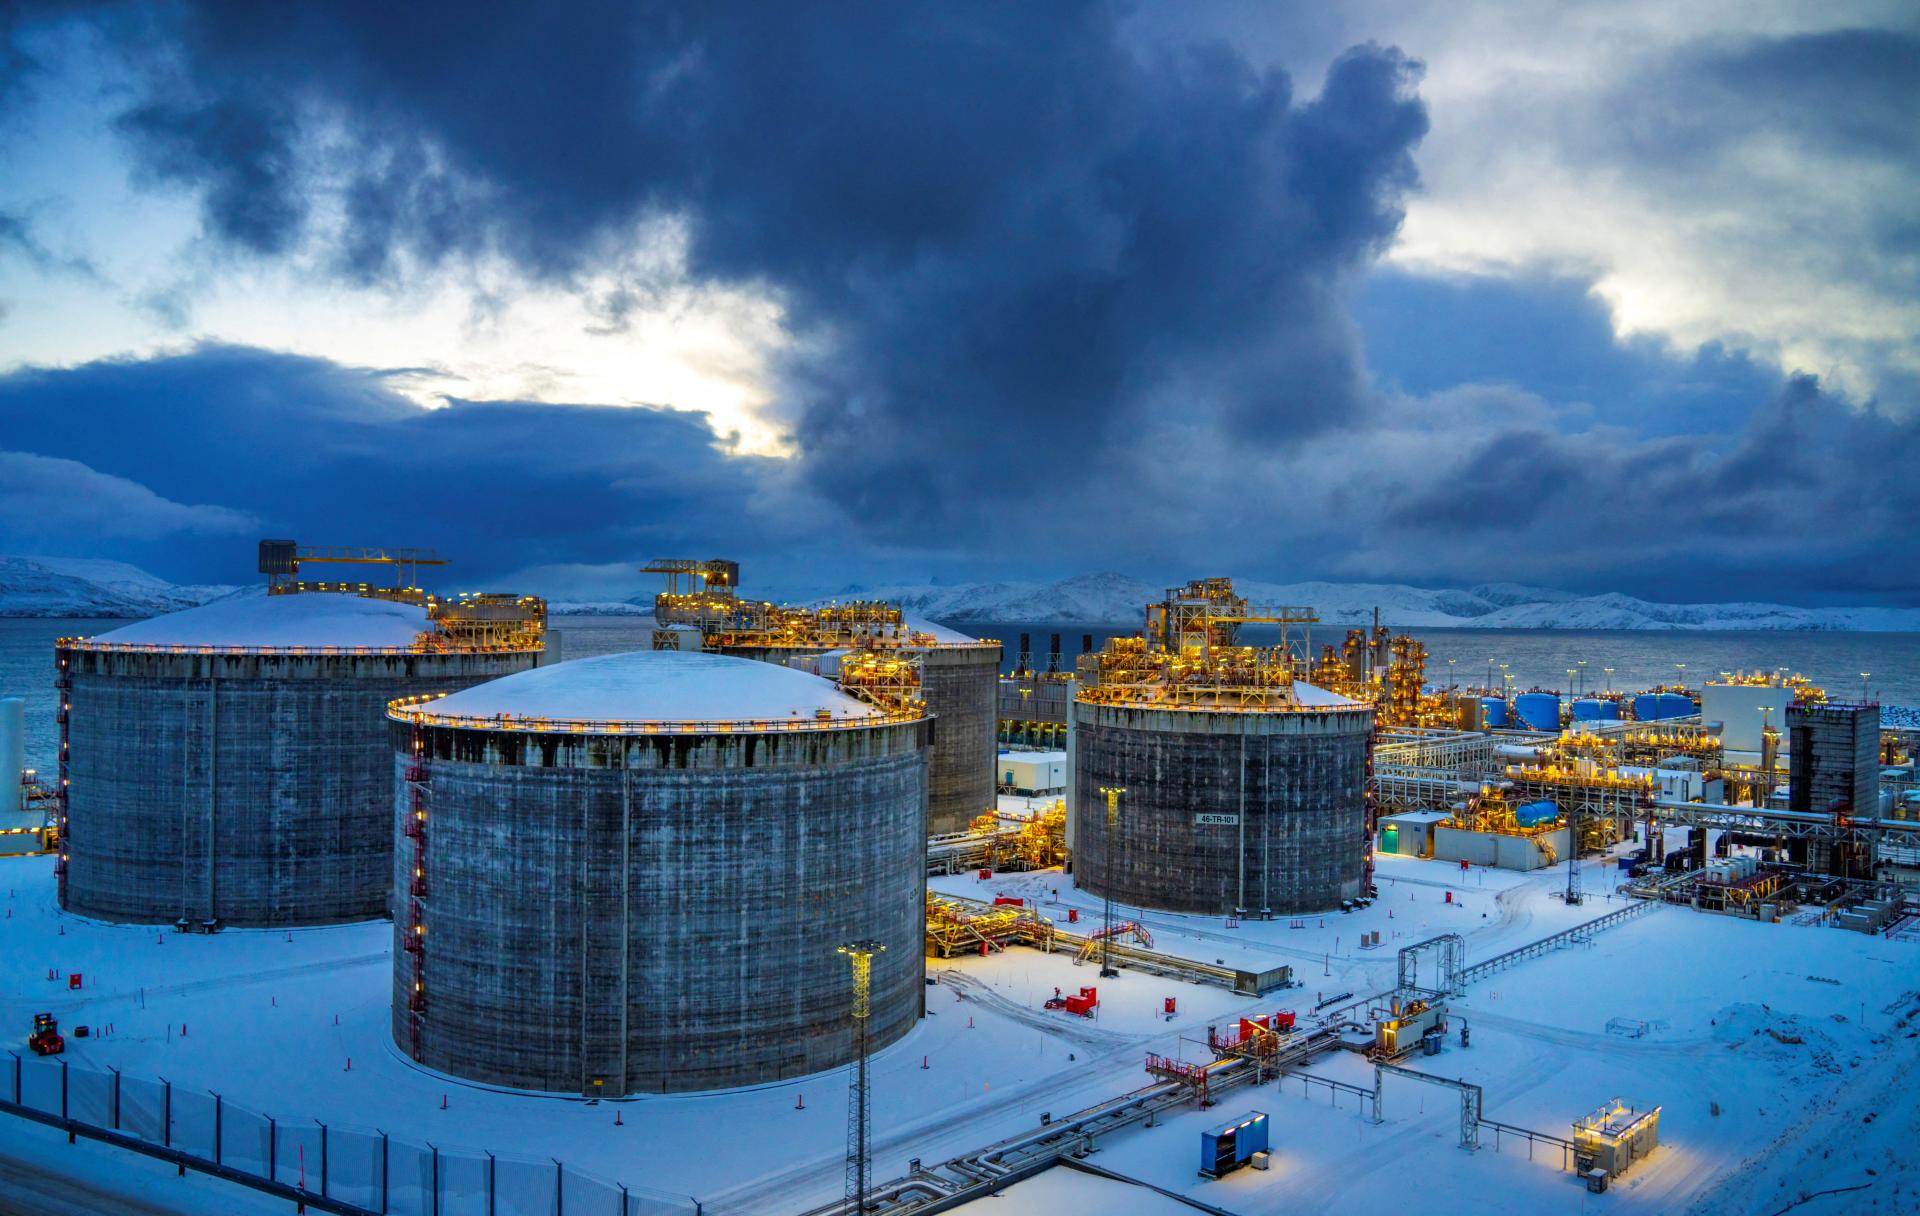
[340, 1168]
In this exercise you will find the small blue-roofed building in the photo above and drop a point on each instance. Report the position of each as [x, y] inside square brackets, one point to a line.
[1226, 1148]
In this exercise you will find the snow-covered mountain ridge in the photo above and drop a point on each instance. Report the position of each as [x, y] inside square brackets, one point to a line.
[1118, 598]
[89, 587]
[80, 587]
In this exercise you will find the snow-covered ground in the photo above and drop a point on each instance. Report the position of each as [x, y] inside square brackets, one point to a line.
[1739, 1014]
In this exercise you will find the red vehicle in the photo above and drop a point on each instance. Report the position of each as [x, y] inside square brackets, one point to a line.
[45, 1039]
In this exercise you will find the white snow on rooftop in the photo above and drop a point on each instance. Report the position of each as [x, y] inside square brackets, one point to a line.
[306, 619]
[656, 686]
[1310, 694]
[941, 633]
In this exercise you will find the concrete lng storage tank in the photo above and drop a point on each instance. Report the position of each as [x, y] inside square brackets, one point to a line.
[1240, 786]
[631, 873]
[230, 764]
[1223, 808]
[959, 679]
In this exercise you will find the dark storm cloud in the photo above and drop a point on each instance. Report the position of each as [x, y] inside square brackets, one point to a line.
[329, 454]
[1841, 104]
[1554, 337]
[994, 226]
[1854, 90]
[1814, 496]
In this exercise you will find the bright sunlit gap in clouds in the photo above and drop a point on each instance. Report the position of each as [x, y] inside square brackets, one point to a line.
[120, 269]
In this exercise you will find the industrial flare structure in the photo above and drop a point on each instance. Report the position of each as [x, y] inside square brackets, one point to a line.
[630, 873]
[958, 674]
[1245, 785]
[228, 765]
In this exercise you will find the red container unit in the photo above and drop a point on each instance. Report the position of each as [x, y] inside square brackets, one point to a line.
[1083, 1004]
[1008, 901]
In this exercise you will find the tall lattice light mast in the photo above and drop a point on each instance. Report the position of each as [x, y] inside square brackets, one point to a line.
[859, 1108]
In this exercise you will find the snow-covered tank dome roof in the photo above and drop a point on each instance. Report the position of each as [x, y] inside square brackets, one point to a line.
[655, 686]
[315, 619]
[1312, 694]
[939, 632]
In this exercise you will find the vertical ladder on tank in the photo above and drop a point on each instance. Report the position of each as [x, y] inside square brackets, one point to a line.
[63, 684]
[415, 930]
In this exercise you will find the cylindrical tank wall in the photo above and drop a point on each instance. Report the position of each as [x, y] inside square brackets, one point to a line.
[251, 789]
[1222, 810]
[960, 685]
[659, 913]
[1538, 710]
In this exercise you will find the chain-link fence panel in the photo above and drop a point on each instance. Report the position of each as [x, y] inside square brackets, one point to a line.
[90, 1096]
[246, 1140]
[524, 1188]
[464, 1183]
[356, 1166]
[589, 1194]
[143, 1109]
[410, 1182]
[193, 1121]
[296, 1155]
[40, 1084]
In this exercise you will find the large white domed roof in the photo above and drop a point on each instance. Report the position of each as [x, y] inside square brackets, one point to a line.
[655, 686]
[308, 619]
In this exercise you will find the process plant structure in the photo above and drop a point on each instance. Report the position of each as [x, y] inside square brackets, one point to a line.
[701, 608]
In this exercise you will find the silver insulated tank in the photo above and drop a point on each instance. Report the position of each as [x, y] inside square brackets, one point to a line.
[1223, 809]
[632, 873]
[230, 764]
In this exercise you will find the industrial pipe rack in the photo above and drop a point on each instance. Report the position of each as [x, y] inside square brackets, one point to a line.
[1577, 935]
[1248, 983]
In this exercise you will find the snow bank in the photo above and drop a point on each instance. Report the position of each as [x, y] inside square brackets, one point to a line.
[308, 619]
[656, 686]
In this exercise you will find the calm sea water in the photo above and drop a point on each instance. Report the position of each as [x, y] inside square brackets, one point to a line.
[1639, 659]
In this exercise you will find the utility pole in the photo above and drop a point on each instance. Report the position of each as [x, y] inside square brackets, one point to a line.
[1113, 793]
[858, 1107]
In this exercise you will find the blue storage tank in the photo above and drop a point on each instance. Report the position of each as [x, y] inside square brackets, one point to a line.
[1646, 707]
[1538, 710]
[1673, 705]
[1494, 710]
[1533, 814]
[1589, 709]
[1610, 711]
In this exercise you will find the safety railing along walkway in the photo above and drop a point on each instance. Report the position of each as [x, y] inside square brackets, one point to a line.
[1577, 935]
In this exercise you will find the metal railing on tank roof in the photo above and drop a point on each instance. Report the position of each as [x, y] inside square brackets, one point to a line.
[439, 645]
[405, 709]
